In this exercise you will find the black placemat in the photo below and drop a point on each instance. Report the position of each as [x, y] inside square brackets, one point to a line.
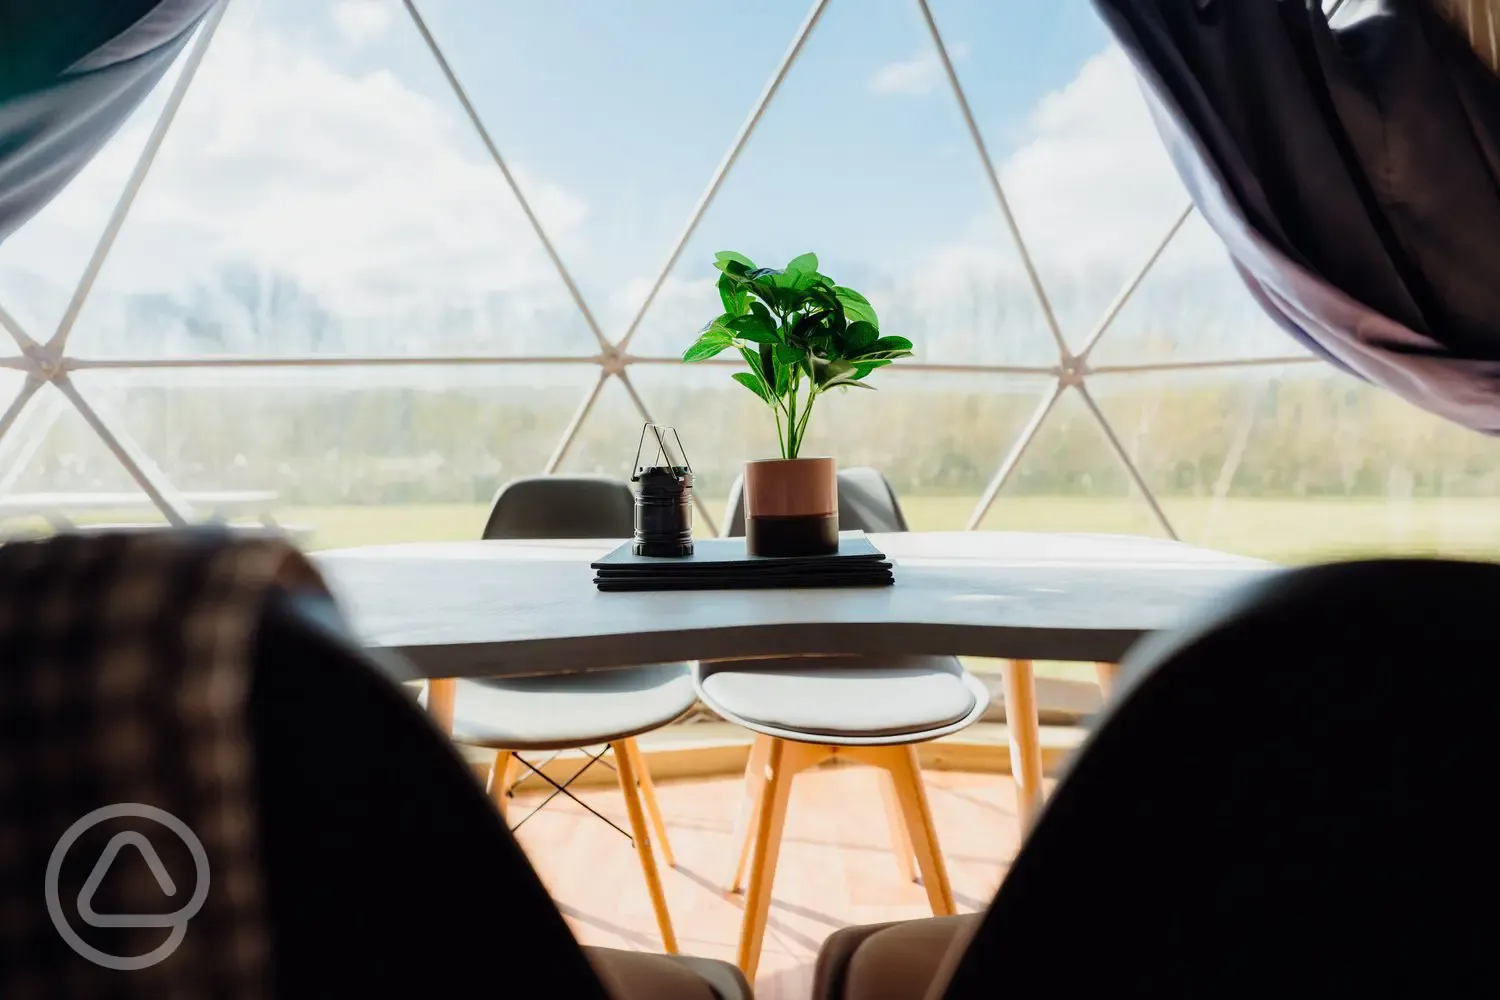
[723, 564]
[729, 553]
[704, 582]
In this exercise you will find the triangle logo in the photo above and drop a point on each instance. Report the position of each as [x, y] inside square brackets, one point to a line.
[101, 868]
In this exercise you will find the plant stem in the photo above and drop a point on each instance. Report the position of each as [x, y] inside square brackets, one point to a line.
[812, 394]
[780, 440]
[790, 448]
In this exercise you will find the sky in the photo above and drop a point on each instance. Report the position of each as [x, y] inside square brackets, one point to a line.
[322, 191]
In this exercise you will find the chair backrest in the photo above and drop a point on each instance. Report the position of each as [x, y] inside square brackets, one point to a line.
[1280, 801]
[562, 507]
[866, 503]
[395, 877]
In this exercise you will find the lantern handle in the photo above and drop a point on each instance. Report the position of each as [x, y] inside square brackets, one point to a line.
[661, 450]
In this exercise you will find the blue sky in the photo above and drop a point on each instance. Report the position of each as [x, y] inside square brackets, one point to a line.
[319, 146]
[631, 107]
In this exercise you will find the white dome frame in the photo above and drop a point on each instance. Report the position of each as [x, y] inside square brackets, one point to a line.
[46, 361]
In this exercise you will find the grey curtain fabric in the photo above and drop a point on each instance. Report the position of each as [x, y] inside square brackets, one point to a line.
[1353, 171]
[71, 71]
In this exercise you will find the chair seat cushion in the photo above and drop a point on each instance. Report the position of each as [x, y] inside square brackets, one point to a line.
[891, 961]
[841, 696]
[636, 975]
[565, 711]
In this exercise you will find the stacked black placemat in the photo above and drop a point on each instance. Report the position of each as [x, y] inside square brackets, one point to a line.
[723, 564]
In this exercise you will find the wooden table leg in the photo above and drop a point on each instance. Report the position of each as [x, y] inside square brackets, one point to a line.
[1025, 739]
[442, 694]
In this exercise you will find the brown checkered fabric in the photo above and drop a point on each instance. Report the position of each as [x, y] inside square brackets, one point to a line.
[124, 678]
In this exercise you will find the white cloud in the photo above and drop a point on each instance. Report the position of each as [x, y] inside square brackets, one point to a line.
[375, 198]
[920, 74]
[1093, 192]
[361, 21]
[1093, 184]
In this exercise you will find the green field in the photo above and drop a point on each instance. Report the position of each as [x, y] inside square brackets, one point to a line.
[1283, 530]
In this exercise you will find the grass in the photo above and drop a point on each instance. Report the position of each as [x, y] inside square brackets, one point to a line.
[1282, 530]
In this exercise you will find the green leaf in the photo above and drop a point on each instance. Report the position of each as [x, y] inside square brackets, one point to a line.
[806, 263]
[864, 368]
[860, 337]
[752, 383]
[783, 378]
[822, 295]
[709, 343]
[856, 306]
[786, 355]
[733, 295]
[801, 282]
[768, 295]
[767, 364]
[759, 309]
[830, 373]
[890, 344]
[808, 325]
[753, 328]
[764, 274]
[724, 258]
[751, 356]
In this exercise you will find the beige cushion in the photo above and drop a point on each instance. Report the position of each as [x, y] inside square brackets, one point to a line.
[564, 711]
[901, 961]
[841, 696]
[635, 975]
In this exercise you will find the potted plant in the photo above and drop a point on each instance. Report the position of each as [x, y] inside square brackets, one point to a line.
[801, 335]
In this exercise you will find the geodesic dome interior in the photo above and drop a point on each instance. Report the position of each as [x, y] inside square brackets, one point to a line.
[367, 260]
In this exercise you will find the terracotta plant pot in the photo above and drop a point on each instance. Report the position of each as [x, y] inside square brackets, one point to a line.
[792, 507]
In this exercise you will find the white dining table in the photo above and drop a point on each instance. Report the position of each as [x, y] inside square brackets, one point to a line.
[490, 608]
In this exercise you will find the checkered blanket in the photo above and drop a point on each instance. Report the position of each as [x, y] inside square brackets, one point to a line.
[124, 680]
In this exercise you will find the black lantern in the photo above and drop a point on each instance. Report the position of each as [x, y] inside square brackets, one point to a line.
[664, 495]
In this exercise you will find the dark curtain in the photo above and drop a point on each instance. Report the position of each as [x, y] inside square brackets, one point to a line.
[1353, 171]
[71, 71]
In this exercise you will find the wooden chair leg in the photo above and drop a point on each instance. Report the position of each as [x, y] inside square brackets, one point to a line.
[515, 773]
[783, 761]
[648, 798]
[500, 780]
[1025, 739]
[442, 695]
[900, 838]
[1108, 674]
[642, 837]
[906, 773]
[744, 825]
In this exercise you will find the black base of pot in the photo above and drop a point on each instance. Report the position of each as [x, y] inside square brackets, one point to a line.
[792, 536]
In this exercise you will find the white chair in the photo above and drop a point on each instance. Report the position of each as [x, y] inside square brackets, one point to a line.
[605, 708]
[806, 710]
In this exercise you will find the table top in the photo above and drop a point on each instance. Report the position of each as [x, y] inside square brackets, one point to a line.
[466, 609]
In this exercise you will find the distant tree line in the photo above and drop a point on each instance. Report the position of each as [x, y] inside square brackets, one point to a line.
[1295, 432]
